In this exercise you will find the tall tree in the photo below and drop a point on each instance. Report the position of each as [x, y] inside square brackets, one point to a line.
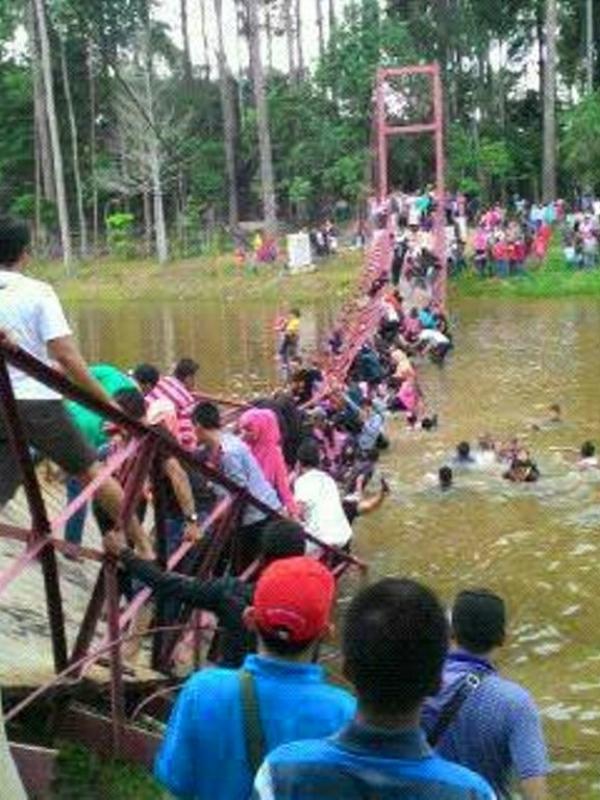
[83, 234]
[229, 117]
[160, 227]
[332, 17]
[93, 144]
[299, 42]
[42, 135]
[262, 115]
[185, 35]
[288, 25]
[549, 154]
[205, 42]
[59, 176]
[320, 27]
[589, 49]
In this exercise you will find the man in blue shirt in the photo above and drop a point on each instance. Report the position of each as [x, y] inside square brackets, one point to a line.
[496, 728]
[214, 733]
[394, 643]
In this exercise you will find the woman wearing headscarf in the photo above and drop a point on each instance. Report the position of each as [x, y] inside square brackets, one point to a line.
[259, 428]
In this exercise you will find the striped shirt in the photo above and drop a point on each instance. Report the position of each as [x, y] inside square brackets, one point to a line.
[172, 389]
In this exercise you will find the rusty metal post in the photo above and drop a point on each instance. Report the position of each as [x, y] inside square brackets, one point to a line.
[440, 168]
[160, 528]
[90, 618]
[41, 524]
[382, 156]
[133, 489]
[117, 692]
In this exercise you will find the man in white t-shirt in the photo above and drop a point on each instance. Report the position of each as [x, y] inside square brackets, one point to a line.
[32, 317]
[319, 501]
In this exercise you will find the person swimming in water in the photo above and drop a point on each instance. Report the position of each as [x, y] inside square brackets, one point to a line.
[463, 457]
[553, 419]
[522, 469]
[445, 478]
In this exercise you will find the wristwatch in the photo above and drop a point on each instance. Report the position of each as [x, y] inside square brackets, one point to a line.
[191, 518]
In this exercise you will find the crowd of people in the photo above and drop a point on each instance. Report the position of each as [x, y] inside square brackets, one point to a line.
[497, 241]
[428, 714]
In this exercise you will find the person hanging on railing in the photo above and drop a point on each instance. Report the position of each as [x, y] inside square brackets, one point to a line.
[91, 425]
[179, 389]
[230, 455]
[31, 316]
[226, 597]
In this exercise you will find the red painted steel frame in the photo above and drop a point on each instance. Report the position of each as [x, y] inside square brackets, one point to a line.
[436, 127]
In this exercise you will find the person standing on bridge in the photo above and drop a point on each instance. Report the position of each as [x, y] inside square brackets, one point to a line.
[32, 318]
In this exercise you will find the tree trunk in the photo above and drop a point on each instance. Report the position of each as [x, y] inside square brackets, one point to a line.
[229, 120]
[147, 221]
[549, 166]
[205, 43]
[332, 17]
[93, 180]
[288, 24]
[320, 27]
[269, 32]
[185, 35]
[262, 113]
[160, 228]
[589, 31]
[39, 104]
[83, 236]
[299, 40]
[59, 177]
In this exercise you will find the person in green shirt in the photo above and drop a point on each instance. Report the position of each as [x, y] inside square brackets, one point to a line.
[91, 426]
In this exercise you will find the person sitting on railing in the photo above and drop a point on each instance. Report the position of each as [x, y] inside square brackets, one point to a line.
[225, 722]
[226, 597]
[32, 318]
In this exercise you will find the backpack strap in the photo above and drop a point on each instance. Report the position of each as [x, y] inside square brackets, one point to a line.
[253, 729]
[449, 711]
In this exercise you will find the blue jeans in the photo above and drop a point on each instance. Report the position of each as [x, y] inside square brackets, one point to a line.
[76, 524]
[502, 268]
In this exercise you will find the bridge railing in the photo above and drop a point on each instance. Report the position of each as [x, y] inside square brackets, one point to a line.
[147, 447]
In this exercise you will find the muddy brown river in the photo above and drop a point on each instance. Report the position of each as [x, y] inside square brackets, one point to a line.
[538, 545]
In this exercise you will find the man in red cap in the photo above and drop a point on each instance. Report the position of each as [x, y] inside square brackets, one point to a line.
[226, 721]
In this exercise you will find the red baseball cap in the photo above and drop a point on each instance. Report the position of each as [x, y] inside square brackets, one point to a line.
[293, 599]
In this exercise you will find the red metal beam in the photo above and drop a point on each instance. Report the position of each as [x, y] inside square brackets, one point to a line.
[37, 768]
[95, 733]
[41, 525]
[409, 130]
[117, 694]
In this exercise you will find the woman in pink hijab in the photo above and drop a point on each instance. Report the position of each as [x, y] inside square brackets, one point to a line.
[259, 428]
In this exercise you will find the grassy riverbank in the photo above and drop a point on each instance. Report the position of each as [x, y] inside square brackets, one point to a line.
[207, 278]
[553, 278]
[82, 775]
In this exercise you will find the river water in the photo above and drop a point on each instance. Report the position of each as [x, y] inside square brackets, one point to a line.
[537, 545]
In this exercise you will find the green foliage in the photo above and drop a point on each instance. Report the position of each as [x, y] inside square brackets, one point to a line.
[121, 241]
[581, 141]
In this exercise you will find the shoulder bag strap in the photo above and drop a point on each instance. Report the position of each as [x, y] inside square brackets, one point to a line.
[469, 684]
[253, 729]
